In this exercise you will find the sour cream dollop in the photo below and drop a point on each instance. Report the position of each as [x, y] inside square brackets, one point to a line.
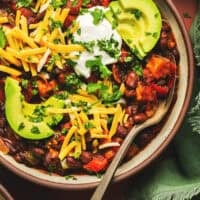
[89, 32]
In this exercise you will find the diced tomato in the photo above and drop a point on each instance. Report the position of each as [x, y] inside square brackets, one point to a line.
[67, 125]
[69, 19]
[97, 164]
[45, 88]
[105, 3]
[109, 154]
[74, 7]
[26, 12]
[160, 67]
[160, 90]
[145, 93]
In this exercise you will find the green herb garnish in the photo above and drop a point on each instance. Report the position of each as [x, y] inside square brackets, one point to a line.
[96, 65]
[24, 3]
[21, 126]
[55, 24]
[35, 130]
[58, 3]
[70, 177]
[137, 13]
[72, 82]
[97, 15]
[110, 46]
[138, 70]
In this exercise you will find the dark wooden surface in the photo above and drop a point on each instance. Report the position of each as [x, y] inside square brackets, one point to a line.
[24, 190]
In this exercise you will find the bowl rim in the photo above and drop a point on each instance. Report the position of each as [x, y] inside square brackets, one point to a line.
[4, 192]
[153, 156]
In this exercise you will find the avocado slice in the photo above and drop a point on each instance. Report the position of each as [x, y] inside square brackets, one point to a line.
[152, 15]
[139, 24]
[18, 113]
[37, 111]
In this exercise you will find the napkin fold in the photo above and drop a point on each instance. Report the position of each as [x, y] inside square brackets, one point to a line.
[176, 176]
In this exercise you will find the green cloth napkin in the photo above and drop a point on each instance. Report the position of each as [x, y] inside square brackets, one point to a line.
[177, 175]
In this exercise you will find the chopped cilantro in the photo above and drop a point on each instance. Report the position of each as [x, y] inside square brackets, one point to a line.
[110, 46]
[86, 2]
[58, 3]
[87, 45]
[83, 11]
[51, 62]
[64, 131]
[138, 70]
[156, 15]
[99, 175]
[72, 82]
[97, 15]
[34, 91]
[40, 110]
[154, 35]
[24, 83]
[79, 31]
[35, 119]
[2, 38]
[21, 126]
[35, 130]
[97, 65]
[70, 62]
[55, 24]
[137, 13]
[61, 95]
[70, 177]
[88, 125]
[24, 3]
[103, 92]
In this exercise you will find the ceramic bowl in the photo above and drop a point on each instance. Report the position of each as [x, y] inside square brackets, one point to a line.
[157, 145]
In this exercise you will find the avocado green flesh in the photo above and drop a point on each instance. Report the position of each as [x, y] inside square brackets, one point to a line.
[16, 117]
[144, 30]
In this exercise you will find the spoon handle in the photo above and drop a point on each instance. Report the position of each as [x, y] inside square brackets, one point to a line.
[100, 190]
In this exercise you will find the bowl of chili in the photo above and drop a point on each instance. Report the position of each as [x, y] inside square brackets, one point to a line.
[70, 93]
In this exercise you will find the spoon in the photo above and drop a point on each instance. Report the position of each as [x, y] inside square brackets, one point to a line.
[162, 109]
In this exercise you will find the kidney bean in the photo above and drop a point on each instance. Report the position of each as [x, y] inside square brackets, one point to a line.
[144, 138]
[131, 79]
[2, 122]
[131, 110]
[122, 131]
[30, 159]
[163, 43]
[129, 93]
[130, 122]
[132, 151]
[19, 158]
[10, 145]
[51, 156]
[73, 163]
[139, 118]
[38, 152]
[116, 74]
[165, 27]
[86, 157]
